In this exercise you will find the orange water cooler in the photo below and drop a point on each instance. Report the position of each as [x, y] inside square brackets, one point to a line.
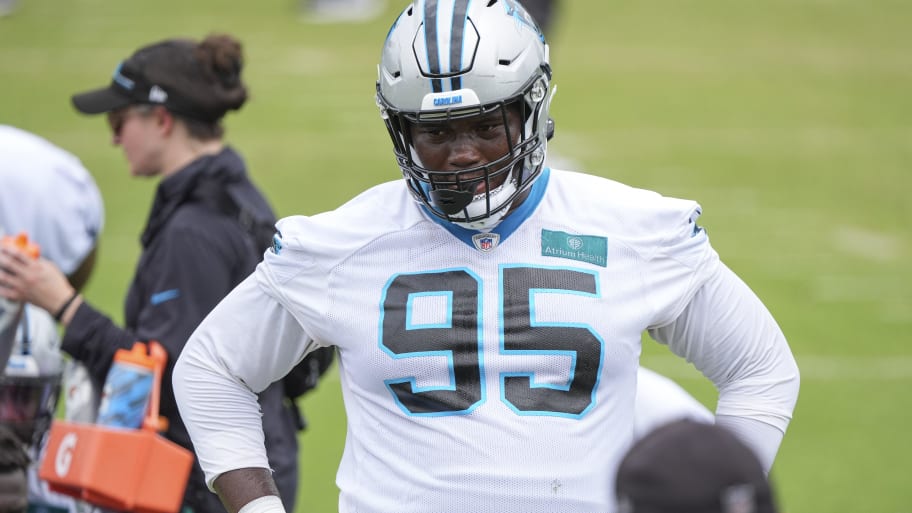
[118, 468]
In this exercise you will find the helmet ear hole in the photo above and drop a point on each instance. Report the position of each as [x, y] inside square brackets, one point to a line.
[549, 130]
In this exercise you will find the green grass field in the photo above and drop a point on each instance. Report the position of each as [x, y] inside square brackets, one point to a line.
[790, 121]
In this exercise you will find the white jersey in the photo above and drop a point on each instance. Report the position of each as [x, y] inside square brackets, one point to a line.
[481, 372]
[46, 192]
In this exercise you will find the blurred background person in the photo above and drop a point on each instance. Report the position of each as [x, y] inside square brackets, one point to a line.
[207, 229]
[543, 12]
[29, 392]
[692, 467]
[47, 194]
[13, 482]
[340, 11]
[7, 7]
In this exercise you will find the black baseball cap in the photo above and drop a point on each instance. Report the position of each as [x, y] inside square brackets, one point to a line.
[692, 467]
[149, 77]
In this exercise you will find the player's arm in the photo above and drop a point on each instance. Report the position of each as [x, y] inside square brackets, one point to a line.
[731, 337]
[247, 342]
[249, 489]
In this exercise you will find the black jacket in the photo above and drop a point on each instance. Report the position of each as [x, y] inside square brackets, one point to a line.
[197, 246]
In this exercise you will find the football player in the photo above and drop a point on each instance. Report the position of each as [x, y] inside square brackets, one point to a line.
[487, 310]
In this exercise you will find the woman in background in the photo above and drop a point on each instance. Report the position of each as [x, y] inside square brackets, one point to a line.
[206, 231]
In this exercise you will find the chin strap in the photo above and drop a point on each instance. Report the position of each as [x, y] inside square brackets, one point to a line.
[451, 202]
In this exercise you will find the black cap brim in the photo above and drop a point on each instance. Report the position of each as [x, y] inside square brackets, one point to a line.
[100, 101]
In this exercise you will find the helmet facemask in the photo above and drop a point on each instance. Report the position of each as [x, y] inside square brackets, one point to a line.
[28, 404]
[30, 382]
[411, 99]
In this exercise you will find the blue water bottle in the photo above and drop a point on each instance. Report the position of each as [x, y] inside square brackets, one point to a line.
[128, 388]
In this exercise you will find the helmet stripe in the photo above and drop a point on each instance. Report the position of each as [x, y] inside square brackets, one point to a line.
[457, 38]
[430, 42]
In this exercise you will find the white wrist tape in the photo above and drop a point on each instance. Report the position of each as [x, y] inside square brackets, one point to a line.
[265, 504]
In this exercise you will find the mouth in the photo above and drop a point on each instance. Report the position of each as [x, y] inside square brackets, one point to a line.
[477, 186]
[481, 191]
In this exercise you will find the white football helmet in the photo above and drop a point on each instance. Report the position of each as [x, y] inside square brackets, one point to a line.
[30, 383]
[452, 59]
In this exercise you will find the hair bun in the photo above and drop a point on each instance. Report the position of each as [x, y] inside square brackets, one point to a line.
[222, 55]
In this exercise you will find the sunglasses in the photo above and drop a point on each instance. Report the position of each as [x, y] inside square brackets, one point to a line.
[118, 118]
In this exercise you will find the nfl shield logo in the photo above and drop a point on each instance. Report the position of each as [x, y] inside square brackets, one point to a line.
[485, 241]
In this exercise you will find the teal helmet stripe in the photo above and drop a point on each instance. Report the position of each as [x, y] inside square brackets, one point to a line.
[432, 34]
[457, 40]
[430, 42]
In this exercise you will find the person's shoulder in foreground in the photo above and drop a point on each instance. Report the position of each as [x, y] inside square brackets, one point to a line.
[46, 192]
[687, 466]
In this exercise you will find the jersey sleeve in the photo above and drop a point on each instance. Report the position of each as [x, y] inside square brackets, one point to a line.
[295, 272]
[731, 337]
[681, 261]
[246, 343]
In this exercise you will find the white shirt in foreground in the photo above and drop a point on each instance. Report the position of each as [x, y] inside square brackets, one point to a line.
[659, 400]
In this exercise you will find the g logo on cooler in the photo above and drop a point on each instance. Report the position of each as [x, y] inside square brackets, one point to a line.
[64, 456]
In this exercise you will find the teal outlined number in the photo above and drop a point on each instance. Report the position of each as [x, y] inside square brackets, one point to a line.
[459, 339]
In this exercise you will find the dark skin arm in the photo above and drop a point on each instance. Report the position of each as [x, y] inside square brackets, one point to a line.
[238, 487]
